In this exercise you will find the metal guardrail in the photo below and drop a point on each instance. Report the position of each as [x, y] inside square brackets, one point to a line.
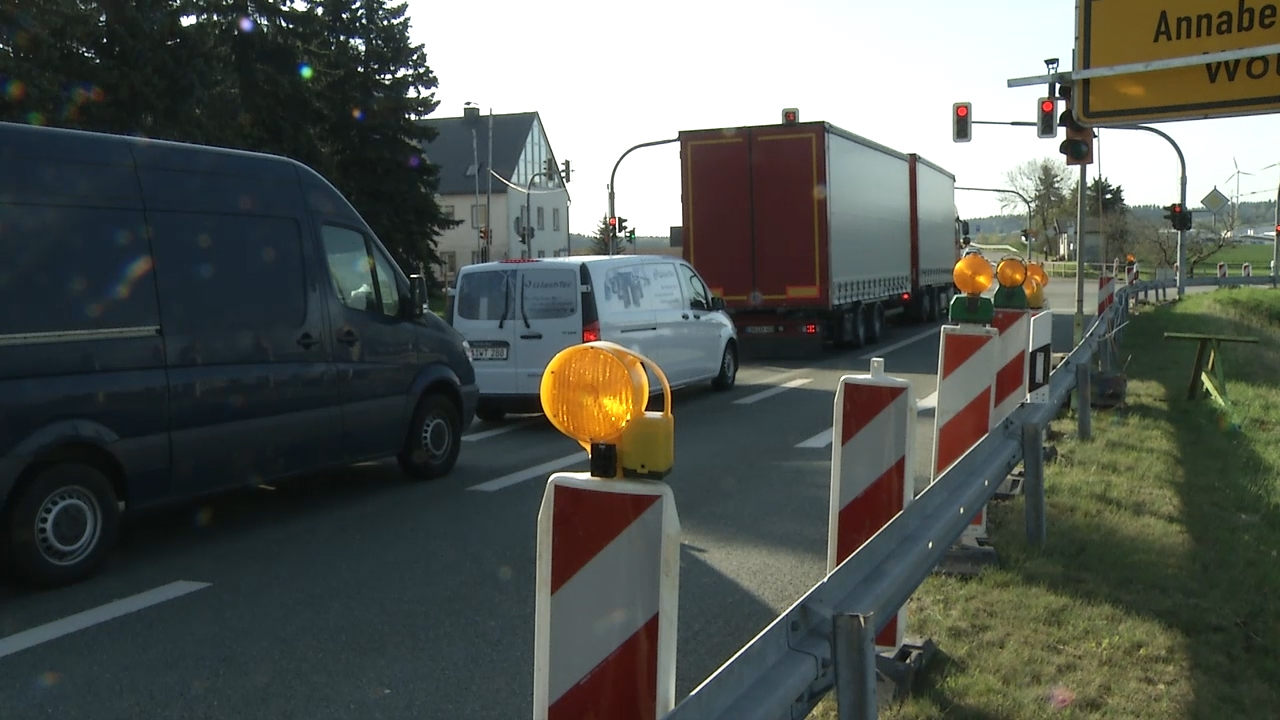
[786, 669]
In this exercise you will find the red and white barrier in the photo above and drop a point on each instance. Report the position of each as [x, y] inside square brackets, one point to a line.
[966, 378]
[1131, 274]
[1011, 362]
[874, 424]
[1246, 270]
[1040, 357]
[1222, 270]
[1106, 293]
[606, 599]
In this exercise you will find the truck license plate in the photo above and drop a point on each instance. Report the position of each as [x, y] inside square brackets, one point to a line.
[759, 329]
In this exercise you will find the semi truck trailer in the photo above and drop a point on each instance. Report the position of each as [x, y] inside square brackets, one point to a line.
[812, 233]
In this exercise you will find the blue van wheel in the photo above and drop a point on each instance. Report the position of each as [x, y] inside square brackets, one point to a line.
[62, 525]
[434, 439]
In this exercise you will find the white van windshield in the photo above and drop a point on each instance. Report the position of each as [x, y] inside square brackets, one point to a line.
[486, 295]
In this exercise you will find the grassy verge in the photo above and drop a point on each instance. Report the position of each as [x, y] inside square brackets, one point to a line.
[1158, 593]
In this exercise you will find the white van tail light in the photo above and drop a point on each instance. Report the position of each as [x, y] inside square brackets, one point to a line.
[591, 332]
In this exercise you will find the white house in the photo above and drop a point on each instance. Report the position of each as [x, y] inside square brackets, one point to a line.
[467, 191]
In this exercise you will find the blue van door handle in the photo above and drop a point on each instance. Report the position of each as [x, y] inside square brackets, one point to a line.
[348, 337]
[307, 341]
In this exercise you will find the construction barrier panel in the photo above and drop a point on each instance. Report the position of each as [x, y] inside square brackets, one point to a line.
[874, 430]
[1011, 362]
[1040, 356]
[606, 599]
[1106, 293]
[966, 378]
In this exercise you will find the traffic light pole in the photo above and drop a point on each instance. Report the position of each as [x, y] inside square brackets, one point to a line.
[1009, 192]
[1079, 319]
[1182, 199]
[613, 176]
[527, 232]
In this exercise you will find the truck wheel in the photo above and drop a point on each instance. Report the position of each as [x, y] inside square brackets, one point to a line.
[62, 525]
[875, 329]
[856, 324]
[728, 369]
[935, 310]
[434, 439]
[926, 306]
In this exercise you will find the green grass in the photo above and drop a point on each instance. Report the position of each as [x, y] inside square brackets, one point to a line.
[1158, 592]
[1257, 255]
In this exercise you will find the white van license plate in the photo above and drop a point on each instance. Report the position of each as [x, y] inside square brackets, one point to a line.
[488, 353]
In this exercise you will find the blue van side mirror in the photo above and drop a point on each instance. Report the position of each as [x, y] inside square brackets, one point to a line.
[417, 296]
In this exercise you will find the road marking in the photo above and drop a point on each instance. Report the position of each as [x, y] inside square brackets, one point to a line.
[929, 402]
[823, 439]
[789, 385]
[94, 616]
[881, 352]
[483, 434]
[530, 473]
[820, 440]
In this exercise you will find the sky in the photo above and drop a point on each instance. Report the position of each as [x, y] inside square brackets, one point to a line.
[605, 76]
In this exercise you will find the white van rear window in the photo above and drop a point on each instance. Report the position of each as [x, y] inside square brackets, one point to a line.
[486, 295]
[550, 294]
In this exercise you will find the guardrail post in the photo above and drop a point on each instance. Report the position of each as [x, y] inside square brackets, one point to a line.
[1033, 481]
[1084, 401]
[855, 656]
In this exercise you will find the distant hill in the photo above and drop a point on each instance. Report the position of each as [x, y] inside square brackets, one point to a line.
[1251, 213]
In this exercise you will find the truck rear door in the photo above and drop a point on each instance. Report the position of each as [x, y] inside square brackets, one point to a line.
[716, 191]
[788, 201]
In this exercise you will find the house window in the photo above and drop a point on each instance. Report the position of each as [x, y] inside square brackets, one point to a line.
[542, 253]
[540, 224]
[447, 211]
[450, 261]
[555, 218]
[479, 216]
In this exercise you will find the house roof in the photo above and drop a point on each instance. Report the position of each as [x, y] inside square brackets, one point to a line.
[451, 151]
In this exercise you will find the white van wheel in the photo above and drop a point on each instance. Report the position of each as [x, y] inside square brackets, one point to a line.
[728, 368]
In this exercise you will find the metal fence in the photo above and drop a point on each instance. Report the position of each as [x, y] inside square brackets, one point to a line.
[826, 639]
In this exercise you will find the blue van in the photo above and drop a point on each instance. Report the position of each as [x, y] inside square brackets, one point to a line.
[178, 320]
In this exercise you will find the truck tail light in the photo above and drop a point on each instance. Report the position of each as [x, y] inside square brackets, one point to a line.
[591, 332]
[906, 297]
[811, 329]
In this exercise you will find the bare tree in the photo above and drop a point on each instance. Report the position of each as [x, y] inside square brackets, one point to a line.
[1154, 238]
[1047, 183]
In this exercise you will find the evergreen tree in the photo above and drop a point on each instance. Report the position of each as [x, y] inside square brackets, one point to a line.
[601, 240]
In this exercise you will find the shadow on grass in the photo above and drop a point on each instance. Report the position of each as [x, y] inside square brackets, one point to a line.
[1194, 550]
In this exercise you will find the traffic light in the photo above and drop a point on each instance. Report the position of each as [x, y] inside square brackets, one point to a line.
[566, 171]
[485, 234]
[1078, 147]
[631, 236]
[1047, 118]
[1175, 215]
[790, 116]
[549, 169]
[622, 227]
[961, 117]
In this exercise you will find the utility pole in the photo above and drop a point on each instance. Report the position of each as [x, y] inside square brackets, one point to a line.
[488, 200]
[471, 113]
[527, 234]
[1079, 320]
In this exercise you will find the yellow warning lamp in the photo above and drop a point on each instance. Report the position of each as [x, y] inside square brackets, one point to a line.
[1011, 273]
[596, 393]
[1036, 272]
[973, 275]
[1034, 292]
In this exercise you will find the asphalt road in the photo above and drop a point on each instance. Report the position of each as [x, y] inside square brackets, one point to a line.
[360, 594]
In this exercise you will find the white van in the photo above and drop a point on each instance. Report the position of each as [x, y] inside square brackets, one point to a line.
[517, 314]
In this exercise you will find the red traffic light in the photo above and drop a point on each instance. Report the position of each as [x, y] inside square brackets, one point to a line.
[613, 222]
[962, 111]
[1176, 207]
[1047, 106]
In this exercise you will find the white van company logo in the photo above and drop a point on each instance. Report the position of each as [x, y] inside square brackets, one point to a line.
[531, 284]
